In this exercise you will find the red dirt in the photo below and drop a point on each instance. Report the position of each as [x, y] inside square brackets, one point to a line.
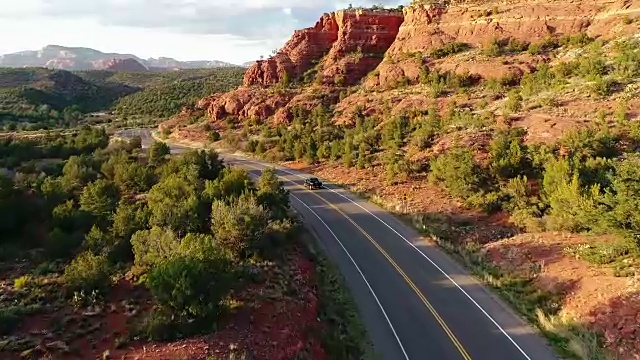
[267, 329]
[601, 301]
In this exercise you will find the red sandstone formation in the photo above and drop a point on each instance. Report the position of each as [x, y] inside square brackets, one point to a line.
[353, 41]
[339, 50]
[297, 56]
[428, 27]
[124, 65]
[343, 47]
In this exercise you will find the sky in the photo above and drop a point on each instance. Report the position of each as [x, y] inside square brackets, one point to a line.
[235, 31]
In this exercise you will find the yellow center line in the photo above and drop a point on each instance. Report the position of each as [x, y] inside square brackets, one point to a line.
[411, 284]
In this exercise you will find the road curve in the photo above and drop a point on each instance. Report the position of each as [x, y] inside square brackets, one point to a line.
[415, 301]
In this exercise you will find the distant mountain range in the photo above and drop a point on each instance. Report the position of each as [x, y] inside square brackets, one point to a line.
[78, 58]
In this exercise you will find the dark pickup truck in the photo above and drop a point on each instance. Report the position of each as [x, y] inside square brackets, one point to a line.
[312, 183]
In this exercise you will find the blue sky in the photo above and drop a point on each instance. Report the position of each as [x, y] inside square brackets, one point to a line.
[230, 30]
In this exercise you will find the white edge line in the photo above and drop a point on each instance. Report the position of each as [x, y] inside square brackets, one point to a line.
[354, 264]
[413, 246]
[423, 254]
[359, 271]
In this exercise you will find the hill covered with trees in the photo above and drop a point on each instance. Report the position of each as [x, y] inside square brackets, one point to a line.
[38, 98]
[506, 132]
[116, 247]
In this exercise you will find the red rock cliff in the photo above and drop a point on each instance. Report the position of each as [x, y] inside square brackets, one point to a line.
[339, 50]
[297, 55]
[426, 27]
[364, 34]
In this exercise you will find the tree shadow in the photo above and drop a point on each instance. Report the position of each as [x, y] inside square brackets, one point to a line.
[617, 321]
[462, 228]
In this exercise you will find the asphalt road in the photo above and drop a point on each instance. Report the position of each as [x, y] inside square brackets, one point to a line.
[416, 302]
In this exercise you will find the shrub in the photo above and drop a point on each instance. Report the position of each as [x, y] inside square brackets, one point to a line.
[151, 247]
[514, 102]
[214, 136]
[22, 282]
[87, 272]
[517, 46]
[238, 226]
[191, 287]
[493, 48]
[11, 317]
[602, 86]
[508, 154]
[458, 172]
[60, 244]
[448, 49]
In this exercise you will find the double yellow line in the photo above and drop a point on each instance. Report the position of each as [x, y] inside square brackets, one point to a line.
[465, 355]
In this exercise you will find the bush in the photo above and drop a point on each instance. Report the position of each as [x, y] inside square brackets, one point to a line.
[458, 171]
[191, 287]
[87, 272]
[11, 317]
[508, 154]
[150, 247]
[22, 282]
[214, 136]
[238, 226]
[493, 48]
[448, 49]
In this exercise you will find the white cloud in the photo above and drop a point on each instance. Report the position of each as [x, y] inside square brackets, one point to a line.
[190, 29]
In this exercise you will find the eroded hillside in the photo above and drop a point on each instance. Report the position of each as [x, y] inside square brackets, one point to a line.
[513, 127]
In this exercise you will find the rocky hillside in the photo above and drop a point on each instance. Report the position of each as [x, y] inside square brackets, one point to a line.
[77, 58]
[124, 65]
[513, 126]
[338, 51]
[346, 45]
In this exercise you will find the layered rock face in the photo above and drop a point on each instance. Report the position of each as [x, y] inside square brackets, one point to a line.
[343, 47]
[427, 27]
[339, 50]
[297, 56]
[355, 39]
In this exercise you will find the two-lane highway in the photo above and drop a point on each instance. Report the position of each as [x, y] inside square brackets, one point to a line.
[415, 301]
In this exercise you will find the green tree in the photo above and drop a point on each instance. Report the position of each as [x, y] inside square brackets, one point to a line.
[272, 194]
[87, 272]
[311, 151]
[174, 203]
[158, 152]
[362, 156]
[232, 182]
[151, 247]
[347, 157]
[100, 198]
[336, 150]
[191, 287]
[77, 172]
[238, 226]
[508, 154]
[97, 241]
[129, 218]
[134, 177]
[458, 171]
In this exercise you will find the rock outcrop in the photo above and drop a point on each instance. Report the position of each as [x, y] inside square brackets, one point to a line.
[348, 42]
[338, 51]
[382, 47]
[427, 27]
[124, 65]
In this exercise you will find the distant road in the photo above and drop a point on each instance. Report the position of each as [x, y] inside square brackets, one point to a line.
[415, 301]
